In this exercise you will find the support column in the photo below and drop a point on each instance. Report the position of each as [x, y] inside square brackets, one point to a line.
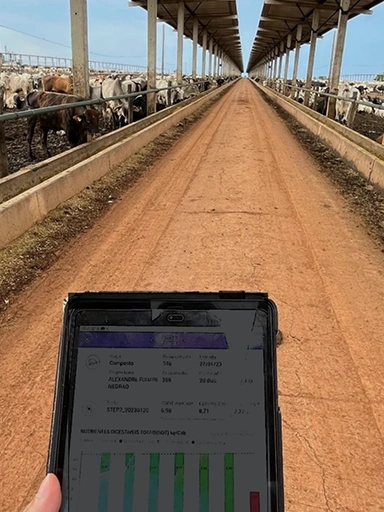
[163, 53]
[214, 60]
[299, 34]
[289, 42]
[194, 47]
[79, 40]
[204, 55]
[332, 58]
[338, 55]
[180, 41]
[275, 63]
[312, 52]
[210, 51]
[151, 72]
[281, 58]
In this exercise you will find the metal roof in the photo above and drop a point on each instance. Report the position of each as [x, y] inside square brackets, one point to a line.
[281, 17]
[218, 17]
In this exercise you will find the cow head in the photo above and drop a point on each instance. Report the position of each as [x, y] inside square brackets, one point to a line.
[177, 95]
[87, 123]
[120, 115]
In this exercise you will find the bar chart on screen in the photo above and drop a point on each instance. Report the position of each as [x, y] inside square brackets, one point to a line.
[172, 482]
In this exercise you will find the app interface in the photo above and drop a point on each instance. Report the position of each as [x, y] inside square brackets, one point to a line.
[170, 419]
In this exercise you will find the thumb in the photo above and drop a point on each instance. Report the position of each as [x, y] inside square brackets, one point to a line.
[48, 497]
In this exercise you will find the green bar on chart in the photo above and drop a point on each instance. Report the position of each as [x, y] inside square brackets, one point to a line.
[178, 501]
[154, 472]
[128, 482]
[229, 478]
[105, 465]
[204, 483]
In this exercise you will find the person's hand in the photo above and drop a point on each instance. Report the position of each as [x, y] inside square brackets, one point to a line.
[48, 497]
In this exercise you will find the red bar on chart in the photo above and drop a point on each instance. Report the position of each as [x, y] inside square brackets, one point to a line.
[255, 502]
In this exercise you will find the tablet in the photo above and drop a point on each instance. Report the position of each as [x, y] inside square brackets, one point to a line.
[167, 402]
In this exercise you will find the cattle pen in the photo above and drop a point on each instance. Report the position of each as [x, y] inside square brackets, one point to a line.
[212, 181]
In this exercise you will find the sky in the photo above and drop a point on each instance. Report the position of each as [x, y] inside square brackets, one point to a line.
[117, 33]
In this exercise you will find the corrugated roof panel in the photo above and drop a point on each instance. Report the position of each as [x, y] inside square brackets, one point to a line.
[218, 17]
[282, 17]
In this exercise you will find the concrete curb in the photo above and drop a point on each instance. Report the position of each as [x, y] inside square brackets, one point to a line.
[23, 211]
[361, 153]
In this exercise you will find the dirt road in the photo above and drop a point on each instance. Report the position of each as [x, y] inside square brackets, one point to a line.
[236, 204]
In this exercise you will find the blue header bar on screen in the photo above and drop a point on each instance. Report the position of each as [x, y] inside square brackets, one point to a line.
[163, 340]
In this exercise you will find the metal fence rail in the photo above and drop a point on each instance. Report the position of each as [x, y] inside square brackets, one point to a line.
[20, 60]
[363, 77]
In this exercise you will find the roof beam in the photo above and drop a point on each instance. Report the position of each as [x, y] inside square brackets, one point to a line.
[314, 5]
[143, 3]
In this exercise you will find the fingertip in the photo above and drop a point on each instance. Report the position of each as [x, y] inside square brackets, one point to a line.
[48, 497]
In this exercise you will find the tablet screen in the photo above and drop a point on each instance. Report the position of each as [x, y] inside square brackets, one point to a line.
[170, 418]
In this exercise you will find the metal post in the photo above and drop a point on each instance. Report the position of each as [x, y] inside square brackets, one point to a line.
[210, 51]
[151, 63]
[194, 46]
[180, 41]
[312, 51]
[299, 33]
[338, 55]
[3, 149]
[204, 55]
[79, 37]
[130, 105]
[169, 94]
[163, 53]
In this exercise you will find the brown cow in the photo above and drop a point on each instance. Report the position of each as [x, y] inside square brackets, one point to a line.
[77, 122]
[380, 139]
[54, 83]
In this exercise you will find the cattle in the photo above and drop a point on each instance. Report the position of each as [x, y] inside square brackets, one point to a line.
[346, 110]
[77, 122]
[139, 103]
[322, 103]
[96, 81]
[375, 100]
[177, 94]
[55, 83]
[15, 87]
[116, 110]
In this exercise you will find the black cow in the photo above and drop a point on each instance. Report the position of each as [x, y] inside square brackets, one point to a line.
[77, 122]
[322, 103]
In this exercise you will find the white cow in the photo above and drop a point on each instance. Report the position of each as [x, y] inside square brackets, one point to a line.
[116, 110]
[15, 86]
[346, 110]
